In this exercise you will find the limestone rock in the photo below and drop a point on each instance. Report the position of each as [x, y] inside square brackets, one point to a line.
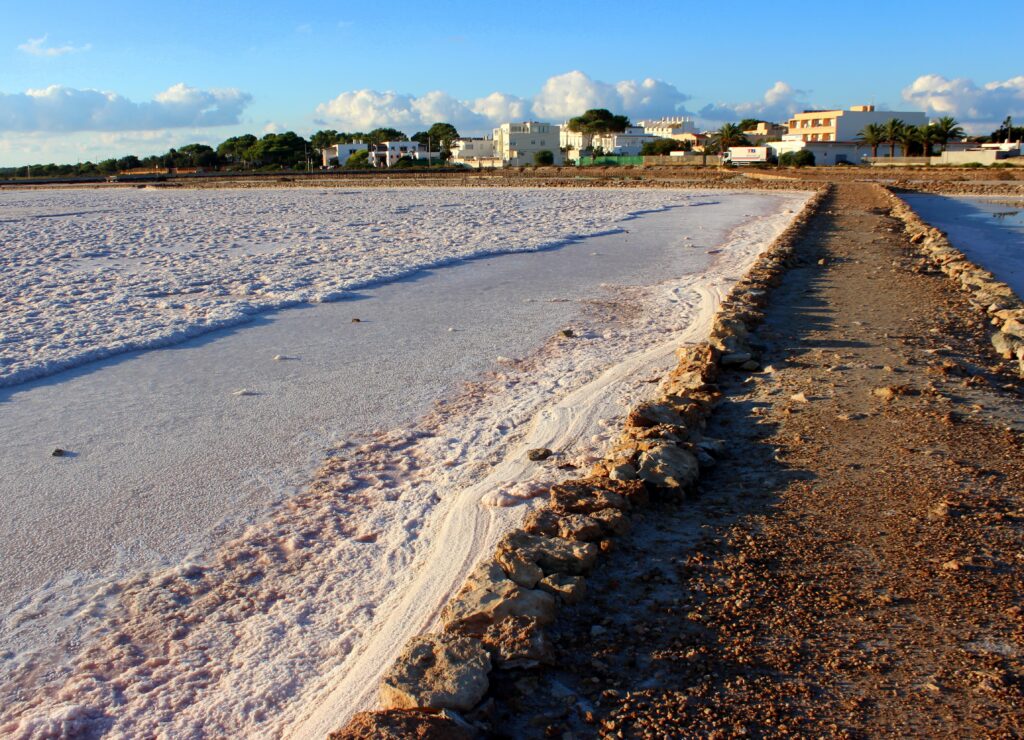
[653, 414]
[612, 521]
[580, 527]
[518, 642]
[578, 498]
[735, 359]
[526, 557]
[572, 589]
[1006, 344]
[519, 569]
[1014, 328]
[668, 466]
[623, 472]
[437, 672]
[488, 597]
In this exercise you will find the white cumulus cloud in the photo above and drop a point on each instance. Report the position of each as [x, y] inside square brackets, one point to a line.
[561, 97]
[778, 102]
[63, 109]
[570, 94]
[37, 47]
[967, 101]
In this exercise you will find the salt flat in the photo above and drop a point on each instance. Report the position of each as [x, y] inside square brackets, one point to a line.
[90, 273]
[989, 230]
[172, 465]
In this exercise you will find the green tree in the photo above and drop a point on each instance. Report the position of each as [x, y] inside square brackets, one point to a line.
[908, 140]
[234, 150]
[925, 136]
[323, 139]
[543, 158]
[892, 130]
[282, 150]
[947, 128]
[196, 155]
[800, 158]
[662, 147]
[129, 162]
[1002, 134]
[873, 135]
[728, 135]
[358, 160]
[598, 121]
[379, 135]
[748, 123]
[438, 138]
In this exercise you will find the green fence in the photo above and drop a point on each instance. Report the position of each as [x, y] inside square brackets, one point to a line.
[612, 160]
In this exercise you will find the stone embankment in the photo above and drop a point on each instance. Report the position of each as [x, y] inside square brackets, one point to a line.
[993, 298]
[438, 686]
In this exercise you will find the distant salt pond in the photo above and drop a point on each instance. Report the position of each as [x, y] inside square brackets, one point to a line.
[989, 230]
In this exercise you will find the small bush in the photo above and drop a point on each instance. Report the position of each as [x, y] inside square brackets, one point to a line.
[543, 158]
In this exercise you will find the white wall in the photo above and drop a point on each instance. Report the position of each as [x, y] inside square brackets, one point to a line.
[852, 122]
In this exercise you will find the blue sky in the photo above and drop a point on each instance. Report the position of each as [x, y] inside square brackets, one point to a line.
[199, 71]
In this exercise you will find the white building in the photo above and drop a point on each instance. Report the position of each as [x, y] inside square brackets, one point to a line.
[387, 153]
[341, 152]
[516, 143]
[826, 153]
[668, 128]
[844, 125]
[467, 148]
[574, 141]
[627, 143]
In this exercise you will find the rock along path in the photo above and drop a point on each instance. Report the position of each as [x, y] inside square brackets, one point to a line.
[853, 565]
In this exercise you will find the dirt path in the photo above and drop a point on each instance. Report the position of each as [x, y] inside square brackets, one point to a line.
[853, 564]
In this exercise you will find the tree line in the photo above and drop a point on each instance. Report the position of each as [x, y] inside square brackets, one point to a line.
[913, 140]
[273, 151]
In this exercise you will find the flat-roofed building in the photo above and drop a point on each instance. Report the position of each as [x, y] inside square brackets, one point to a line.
[517, 143]
[844, 125]
[668, 128]
[475, 152]
[341, 152]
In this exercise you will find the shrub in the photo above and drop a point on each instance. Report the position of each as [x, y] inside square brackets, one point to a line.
[359, 159]
[802, 158]
[543, 158]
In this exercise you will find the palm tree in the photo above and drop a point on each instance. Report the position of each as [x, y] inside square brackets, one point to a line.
[892, 131]
[907, 138]
[947, 128]
[729, 135]
[873, 135]
[925, 135]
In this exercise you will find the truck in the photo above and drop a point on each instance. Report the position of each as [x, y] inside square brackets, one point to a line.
[747, 155]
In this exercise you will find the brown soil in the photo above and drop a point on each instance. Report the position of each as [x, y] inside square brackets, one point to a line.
[853, 564]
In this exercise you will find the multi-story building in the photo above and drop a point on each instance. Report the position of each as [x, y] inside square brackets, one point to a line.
[475, 152]
[387, 153]
[668, 128]
[844, 125]
[573, 141]
[517, 143]
[341, 152]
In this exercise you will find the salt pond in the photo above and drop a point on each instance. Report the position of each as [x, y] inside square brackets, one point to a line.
[989, 230]
[176, 451]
